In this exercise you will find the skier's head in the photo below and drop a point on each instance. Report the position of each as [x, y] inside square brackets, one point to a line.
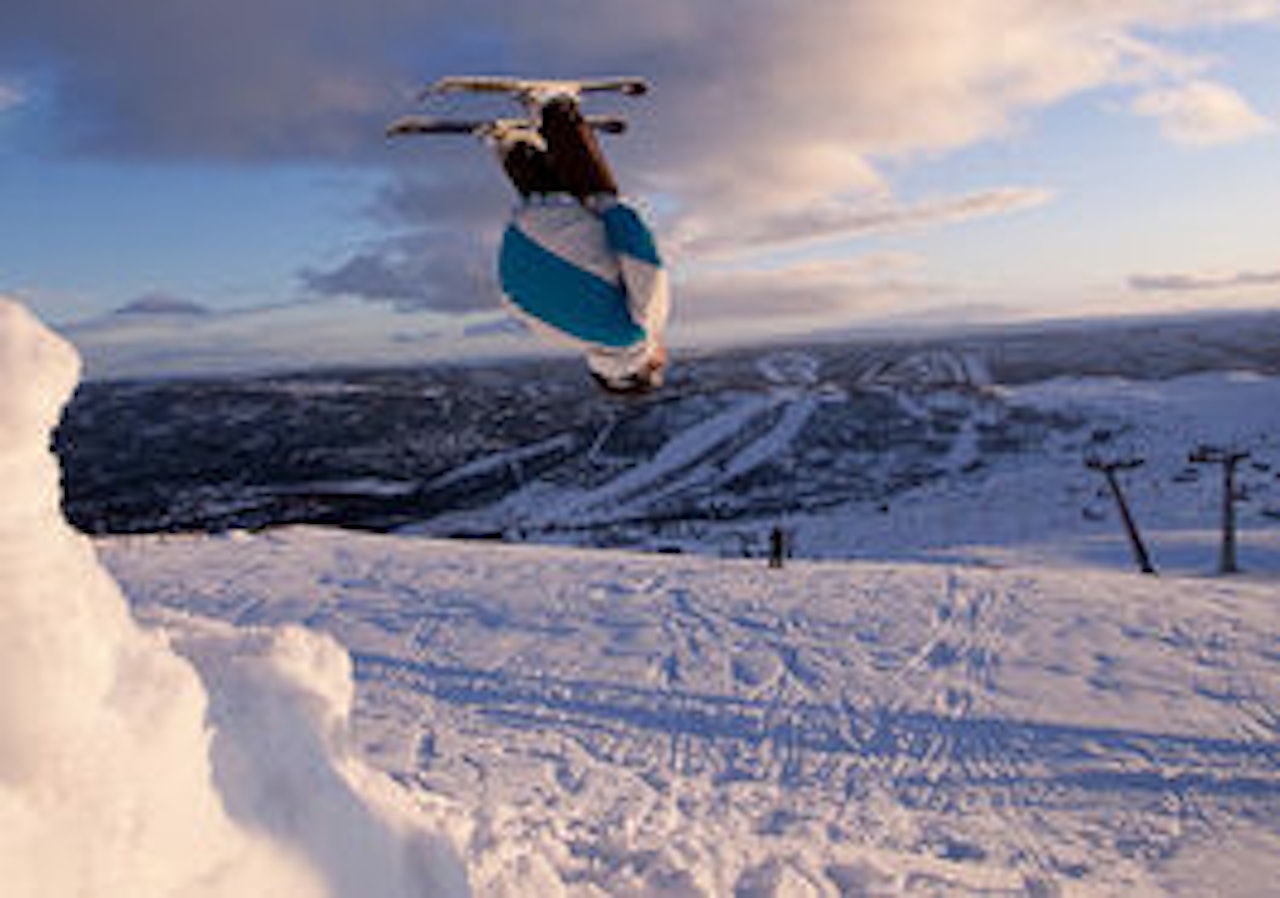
[644, 374]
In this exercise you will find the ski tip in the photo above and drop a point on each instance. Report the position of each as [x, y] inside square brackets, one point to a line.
[398, 128]
[607, 124]
[635, 87]
[416, 124]
[409, 124]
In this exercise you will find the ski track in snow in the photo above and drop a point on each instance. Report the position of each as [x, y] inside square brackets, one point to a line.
[728, 445]
[512, 459]
[701, 727]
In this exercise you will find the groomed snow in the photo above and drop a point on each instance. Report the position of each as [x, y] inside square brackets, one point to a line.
[617, 724]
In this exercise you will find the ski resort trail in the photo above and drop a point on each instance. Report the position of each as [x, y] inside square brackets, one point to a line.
[637, 725]
[730, 444]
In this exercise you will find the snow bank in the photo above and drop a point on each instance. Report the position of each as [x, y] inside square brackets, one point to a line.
[126, 769]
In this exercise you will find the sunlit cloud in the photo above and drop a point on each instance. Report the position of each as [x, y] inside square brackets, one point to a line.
[773, 125]
[1202, 113]
[1204, 281]
[809, 292]
[840, 221]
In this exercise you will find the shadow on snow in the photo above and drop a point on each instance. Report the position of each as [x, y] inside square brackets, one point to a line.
[801, 742]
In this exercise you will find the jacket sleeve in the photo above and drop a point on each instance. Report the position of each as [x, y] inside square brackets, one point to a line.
[643, 275]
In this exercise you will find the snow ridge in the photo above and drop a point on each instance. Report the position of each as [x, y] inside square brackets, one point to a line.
[125, 769]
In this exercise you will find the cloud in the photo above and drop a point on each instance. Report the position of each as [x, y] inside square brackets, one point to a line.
[496, 327]
[237, 80]
[794, 105]
[783, 128]
[1208, 281]
[1176, 14]
[442, 180]
[425, 271]
[775, 122]
[837, 220]
[1202, 113]
[807, 294]
[160, 303]
[802, 94]
[290, 336]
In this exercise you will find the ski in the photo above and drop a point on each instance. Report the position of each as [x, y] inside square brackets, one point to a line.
[494, 128]
[534, 89]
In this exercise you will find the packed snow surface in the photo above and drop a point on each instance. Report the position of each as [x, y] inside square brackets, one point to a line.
[640, 726]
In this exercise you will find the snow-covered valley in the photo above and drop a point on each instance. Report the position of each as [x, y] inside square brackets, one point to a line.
[850, 437]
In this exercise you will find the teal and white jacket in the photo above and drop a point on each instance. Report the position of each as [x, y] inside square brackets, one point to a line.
[592, 277]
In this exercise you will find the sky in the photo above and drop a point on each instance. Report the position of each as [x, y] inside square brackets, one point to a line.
[204, 185]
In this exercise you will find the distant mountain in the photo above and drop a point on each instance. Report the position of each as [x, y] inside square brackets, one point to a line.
[532, 450]
[162, 304]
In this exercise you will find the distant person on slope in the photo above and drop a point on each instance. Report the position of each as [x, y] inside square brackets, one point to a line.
[575, 260]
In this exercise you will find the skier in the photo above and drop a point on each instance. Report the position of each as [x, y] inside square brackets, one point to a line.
[576, 260]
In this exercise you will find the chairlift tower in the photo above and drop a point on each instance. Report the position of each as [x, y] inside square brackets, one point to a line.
[1109, 470]
[1229, 459]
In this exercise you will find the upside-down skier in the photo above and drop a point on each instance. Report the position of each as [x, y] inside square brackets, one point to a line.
[576, 259]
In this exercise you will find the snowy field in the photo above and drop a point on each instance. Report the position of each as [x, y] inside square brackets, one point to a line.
[627, 725]
[969, 694]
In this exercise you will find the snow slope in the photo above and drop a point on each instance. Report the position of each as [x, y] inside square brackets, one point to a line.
[1047, 508]
[960, 471]
[647, 725]
[729, 444]
[987, 713]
